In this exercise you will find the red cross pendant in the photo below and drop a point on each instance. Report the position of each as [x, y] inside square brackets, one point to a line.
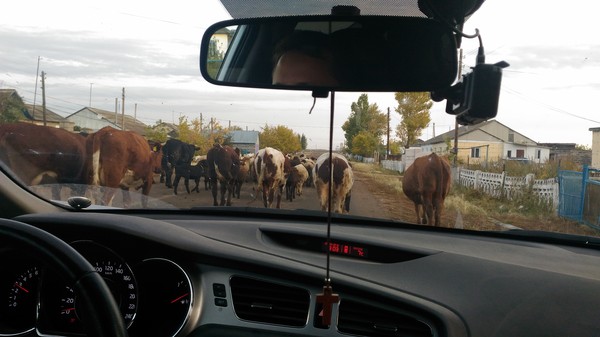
[327, 299]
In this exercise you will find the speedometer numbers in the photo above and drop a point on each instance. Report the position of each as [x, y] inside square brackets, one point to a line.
[60, 302]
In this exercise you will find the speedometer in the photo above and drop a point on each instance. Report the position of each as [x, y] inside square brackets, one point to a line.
[61, 304]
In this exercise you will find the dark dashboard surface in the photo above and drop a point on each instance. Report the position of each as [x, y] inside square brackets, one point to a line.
[208, 275]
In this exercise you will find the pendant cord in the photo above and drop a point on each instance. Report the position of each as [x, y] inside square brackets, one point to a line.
[331, 113]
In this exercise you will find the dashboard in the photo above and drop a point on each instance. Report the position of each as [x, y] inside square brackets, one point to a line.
[202, 275]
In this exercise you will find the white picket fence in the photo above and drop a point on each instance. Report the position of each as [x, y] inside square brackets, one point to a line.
[499, 184]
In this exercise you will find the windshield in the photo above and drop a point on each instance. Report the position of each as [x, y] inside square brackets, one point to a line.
[123, 81]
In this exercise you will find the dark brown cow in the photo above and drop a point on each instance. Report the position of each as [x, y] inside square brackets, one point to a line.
[40, 154]
[122, 159]
[427, 182]
[223, 168]
[343, 179]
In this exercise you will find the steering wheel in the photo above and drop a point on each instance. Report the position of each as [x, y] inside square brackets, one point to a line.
[99, 311]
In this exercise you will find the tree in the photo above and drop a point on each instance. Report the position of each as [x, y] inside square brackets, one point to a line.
[11, 110]
[281, 138]
[364, 117]
[215, 58]
[364, 144]
[303, 142]
[414, 108]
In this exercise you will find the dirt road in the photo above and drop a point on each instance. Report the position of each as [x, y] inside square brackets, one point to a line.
[363, 203]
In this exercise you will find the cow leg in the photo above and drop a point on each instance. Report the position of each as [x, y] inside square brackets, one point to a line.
[145, 192]
[223, 190]
[176, 183]
[230, 190]
[438, 207]
[214, 191]
[168, 177]
[266, 194]
[279, 192]
[186, 182]
[197, 182]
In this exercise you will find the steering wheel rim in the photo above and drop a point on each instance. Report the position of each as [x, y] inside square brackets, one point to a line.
[100, 314]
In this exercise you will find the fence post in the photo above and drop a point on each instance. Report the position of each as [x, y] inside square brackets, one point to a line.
[584, 178]
[502, 192]
[477, 178]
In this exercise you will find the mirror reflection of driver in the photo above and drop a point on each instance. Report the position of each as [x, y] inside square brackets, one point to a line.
[304, 58]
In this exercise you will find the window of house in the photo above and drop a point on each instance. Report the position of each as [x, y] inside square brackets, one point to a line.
[475, 152]
[511, 137]
[520, 153]
[509, 154]
[538, 154]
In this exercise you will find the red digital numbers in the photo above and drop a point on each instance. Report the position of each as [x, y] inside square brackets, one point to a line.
[345, 249]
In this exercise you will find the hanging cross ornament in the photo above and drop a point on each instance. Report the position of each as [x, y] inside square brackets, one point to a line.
[327, 299]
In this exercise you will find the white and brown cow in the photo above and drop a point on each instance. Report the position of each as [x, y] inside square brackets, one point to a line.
[122, 159]
[269, 169]
[343, 179]
[295, 181]
[41, 154]
[223, 168]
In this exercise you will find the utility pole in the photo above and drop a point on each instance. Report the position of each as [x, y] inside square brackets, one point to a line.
[433, 130]
[135, 112]
[387, 152]
[90, 105]
[44, 97]
[37, 75]
[123, 109]
[116, 110]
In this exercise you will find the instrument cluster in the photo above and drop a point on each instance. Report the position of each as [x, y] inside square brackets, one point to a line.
[155, 295]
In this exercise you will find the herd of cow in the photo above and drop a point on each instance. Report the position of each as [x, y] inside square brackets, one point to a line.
[112, 159]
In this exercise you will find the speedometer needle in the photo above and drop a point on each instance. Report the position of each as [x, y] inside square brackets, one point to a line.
[180, 297]
[19, 286]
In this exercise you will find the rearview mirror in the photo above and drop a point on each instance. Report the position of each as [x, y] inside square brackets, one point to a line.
[339, 53]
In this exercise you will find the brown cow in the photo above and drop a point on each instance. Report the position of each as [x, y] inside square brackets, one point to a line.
[427, 182]
[223, 167]
[343, 179]
[122, 159]
[40, 154]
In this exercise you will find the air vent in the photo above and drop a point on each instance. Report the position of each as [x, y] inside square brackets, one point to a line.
[268, 302]
[365, 320]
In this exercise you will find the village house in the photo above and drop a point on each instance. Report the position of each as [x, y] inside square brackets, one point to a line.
[246, 141]
[488, 141]
[93, 119]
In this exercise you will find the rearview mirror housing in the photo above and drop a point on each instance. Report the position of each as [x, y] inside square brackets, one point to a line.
[361, 53]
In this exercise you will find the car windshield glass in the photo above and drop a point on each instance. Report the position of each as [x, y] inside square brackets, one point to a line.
[98, 96]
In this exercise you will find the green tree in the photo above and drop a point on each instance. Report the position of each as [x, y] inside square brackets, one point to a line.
[303, 142]
[156, 132]
[215, 58]
[364, 144]
[364, 117]
[11, 110]
[414, 108]
[281, 138]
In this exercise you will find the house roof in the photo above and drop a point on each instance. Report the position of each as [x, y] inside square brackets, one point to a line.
[466, 129]
[37, 114]
[7, 93]
[131, 124]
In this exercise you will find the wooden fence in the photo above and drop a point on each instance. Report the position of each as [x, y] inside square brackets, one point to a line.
[501, 185]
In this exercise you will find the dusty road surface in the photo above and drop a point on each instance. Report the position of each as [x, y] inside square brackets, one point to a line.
[363, 203]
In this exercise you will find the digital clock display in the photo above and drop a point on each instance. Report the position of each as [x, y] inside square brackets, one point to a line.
[345, 249]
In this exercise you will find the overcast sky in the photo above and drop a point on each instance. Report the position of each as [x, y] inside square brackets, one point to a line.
[151, 48]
